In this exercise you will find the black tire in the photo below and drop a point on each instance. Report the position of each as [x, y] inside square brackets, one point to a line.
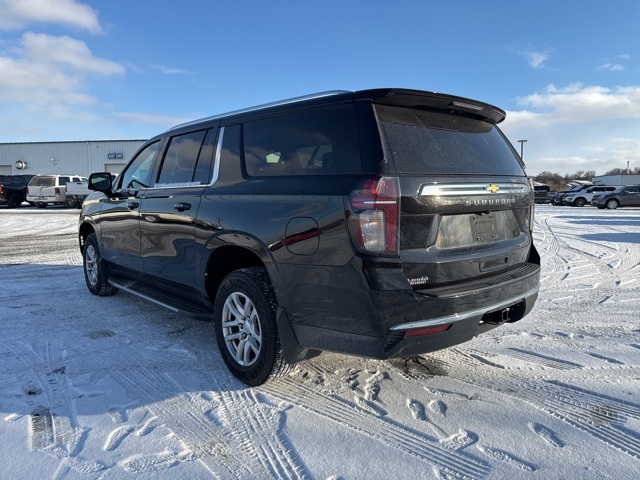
[245, 327]
[612, 204]
[14, 201]
[97, 281]
[41, 205]
[580, 202]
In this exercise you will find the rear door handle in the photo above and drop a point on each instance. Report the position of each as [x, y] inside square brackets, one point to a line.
[182, 206]
[132, 205]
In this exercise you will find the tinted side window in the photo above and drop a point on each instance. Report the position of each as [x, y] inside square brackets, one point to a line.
[426, 142]
[138, 173]
[63, 180]
[9, 180]
[311, 143]
[181, 159]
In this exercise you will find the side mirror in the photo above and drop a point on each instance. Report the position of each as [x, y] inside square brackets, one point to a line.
[101, 182]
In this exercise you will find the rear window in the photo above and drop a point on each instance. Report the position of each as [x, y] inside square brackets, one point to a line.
[311, 143]
[43, 181]
[11, 180]
[427, 142]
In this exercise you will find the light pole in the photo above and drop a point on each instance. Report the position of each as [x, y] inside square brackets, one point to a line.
[521, 142]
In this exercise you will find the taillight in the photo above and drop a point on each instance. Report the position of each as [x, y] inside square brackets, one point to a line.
[533, 203]
[1, 188]
[373, 215]
[57, 191]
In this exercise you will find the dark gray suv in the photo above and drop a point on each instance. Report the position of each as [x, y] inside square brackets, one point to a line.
[622, 197]
[380, 223]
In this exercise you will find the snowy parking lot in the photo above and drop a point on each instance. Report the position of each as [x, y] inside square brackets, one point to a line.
[115, 387]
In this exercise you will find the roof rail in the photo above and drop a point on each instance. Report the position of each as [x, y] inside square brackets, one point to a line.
[259, 107]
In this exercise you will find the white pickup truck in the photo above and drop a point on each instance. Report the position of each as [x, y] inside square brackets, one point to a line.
[77, 191]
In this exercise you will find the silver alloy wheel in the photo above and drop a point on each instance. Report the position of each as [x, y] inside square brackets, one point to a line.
[241, 329]
[612, 204]
[91, 265]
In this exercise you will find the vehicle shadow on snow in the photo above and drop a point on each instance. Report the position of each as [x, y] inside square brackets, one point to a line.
[612, 237]
[625, 221]
[67, 353]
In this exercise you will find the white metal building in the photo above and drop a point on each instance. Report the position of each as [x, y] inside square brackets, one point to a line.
[72, 158]
[617, 180]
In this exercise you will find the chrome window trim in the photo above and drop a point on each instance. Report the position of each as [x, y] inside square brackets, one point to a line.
[216, 160]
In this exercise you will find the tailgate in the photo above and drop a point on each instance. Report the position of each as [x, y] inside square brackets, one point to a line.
[455, 232]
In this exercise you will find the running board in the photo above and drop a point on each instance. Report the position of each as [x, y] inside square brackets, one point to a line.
[162, 299]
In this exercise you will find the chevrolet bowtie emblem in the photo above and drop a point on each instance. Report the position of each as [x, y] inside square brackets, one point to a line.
[493, 188]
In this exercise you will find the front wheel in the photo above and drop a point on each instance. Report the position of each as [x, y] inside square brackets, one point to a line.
[245, 327]
[93, 274]
[611, 204]
[580, 202]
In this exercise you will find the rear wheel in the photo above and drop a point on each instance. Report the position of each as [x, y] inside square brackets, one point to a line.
[14, 201]
[245, 327]
[97, 281]
[612, 204]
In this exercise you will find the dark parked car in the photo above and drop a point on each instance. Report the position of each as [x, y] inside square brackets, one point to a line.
[13, 189]
[541, 193]
[380, 223]
[622, 197]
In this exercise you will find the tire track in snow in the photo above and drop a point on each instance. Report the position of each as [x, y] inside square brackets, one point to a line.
[335, 408]
[235, 447]
[600, 416]
[52, 421]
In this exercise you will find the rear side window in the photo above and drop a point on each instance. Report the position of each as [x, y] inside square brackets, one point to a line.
[427, 142]
[311, 143]
[187, 160]
[63, 180]
[43, 181]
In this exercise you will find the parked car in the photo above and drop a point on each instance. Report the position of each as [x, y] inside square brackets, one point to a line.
[379, 223]
[622, 197]
[584, 197]
[50, 189]
[13, 189]
[558, 198]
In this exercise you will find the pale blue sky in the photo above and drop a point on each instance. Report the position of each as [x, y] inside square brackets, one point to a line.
[567, 73]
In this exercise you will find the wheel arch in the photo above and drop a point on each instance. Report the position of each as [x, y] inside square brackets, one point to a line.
[224, 260]
[84, 231]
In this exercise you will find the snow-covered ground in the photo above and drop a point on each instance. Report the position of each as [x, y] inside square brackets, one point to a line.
[119, 388]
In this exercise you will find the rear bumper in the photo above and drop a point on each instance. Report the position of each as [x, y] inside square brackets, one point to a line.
[46, 198]
[391, 323]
